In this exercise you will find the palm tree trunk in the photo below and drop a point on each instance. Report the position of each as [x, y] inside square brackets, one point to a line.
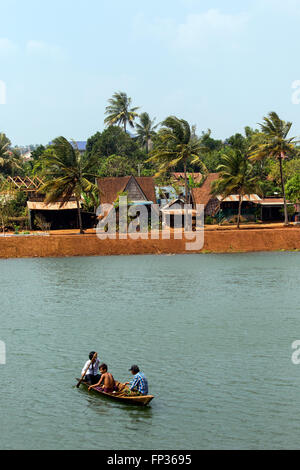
[286, 217]
[186, 184]
[79, 217]
[240, 211]
[3, 225]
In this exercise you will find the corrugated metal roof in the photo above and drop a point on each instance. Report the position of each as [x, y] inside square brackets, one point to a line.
[273, 202]
[235, 198]
[42, 206]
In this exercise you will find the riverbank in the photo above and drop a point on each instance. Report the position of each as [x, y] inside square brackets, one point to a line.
[227, 240]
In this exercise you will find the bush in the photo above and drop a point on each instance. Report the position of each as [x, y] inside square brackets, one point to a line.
[41, 223]
[209, 220]
[20, 222]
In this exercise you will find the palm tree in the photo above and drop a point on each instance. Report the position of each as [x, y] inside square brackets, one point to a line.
[145, 130]
[67, 173]
[177, 144]
[236, 177]
[119, 111]
[9, 158]
[275, 144]
[4, 149]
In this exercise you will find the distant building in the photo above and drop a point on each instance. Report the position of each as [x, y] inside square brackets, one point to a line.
[27, 156]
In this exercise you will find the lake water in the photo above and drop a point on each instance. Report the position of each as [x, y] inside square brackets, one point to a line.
[213, 334]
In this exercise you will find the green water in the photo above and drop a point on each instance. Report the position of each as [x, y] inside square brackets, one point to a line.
[213, 334]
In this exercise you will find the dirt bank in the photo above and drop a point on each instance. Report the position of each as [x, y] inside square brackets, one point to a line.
[218, 241]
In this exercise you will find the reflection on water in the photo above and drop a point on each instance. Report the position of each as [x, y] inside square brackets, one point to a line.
[212, 333]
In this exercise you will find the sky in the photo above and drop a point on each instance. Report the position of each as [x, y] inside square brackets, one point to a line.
[219, 65]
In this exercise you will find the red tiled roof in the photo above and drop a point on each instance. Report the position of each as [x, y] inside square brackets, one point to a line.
[203, 195]
[110, 187]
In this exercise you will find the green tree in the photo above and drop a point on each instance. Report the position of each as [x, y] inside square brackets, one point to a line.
[4, 149]
[238, 142]
[274, 143]
[10, 159]
[120, 111]
[67, 173]
[210, 143]
[293, 189]
[236, 177]
[176, 144]
[289, 168]
[37, 152]
[116, 166]
[145, 130]
[113, 141]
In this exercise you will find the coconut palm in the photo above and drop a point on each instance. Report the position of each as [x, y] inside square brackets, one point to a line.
[67, 173]
[10, 159]
[176, 144]
[4, 149]
[275, 144]
[236, 177]
[145, 130]
[119, 111]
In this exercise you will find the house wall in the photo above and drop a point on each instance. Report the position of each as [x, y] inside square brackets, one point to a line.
[134, 192]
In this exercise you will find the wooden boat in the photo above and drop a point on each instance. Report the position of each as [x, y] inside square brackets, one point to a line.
[142, 400]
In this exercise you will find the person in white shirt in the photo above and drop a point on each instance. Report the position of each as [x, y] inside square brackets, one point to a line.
[92, 376]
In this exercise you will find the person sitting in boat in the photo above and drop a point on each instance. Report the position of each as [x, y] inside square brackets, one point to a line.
[106, 383]
[139, 385]
[92, 367]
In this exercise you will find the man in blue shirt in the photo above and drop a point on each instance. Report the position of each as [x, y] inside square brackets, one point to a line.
[139, 384]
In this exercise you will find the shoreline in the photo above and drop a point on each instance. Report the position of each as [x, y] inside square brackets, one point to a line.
[228, 240]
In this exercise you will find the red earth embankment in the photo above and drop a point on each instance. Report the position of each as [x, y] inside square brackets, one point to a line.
[216, 241]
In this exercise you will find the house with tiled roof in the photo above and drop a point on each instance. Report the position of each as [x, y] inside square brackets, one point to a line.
[254, 207]
[203, 195]
[139, 190]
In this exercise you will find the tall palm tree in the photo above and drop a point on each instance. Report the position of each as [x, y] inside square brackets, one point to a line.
[177, 144]
[119, 111]
[275, 144]
[4, 149]
[236, 177]
[67, 173]
[10, 159]
[145, 130]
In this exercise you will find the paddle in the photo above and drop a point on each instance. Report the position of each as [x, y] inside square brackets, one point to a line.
[85, 372]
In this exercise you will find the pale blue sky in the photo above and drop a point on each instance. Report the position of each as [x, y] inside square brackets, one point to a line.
[220, 65]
